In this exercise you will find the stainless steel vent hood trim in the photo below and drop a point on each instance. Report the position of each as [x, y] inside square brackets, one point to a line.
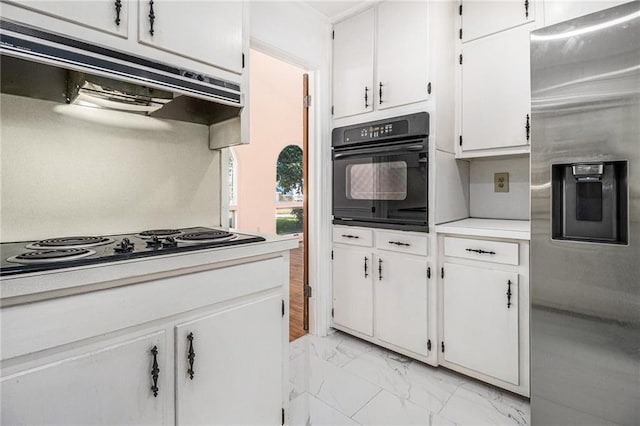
[198, 97]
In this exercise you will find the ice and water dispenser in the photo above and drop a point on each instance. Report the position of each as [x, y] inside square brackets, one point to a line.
[590, 202]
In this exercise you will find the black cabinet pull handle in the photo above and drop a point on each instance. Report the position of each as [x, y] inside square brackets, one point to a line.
[118, 4]
[152, 17]
[398, 243]
[349, 236]
[527, 127]
[366, 97]
[380, 269]
[480, 251]
[155, 371]
[380, 93]
[366, 267]
[526, 8]
[509, 294]
[191, 356]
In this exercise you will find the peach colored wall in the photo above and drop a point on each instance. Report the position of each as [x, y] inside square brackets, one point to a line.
[276, 121]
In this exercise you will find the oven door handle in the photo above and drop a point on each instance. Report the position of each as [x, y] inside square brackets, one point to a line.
[382, 150]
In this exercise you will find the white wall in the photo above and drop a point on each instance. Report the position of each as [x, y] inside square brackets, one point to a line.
[296, 33]
[485, 203]
[69, 170]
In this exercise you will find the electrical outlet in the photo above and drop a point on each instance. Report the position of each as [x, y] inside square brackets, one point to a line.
[501, 182]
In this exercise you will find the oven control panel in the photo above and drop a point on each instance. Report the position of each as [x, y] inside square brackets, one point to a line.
[378, 131]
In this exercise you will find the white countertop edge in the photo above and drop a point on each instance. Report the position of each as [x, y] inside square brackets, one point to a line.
[491, 228]
[50, 281]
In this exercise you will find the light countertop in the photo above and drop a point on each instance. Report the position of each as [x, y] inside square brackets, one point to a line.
[492, 228]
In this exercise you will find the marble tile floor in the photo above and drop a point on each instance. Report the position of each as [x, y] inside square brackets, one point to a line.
[342, 380]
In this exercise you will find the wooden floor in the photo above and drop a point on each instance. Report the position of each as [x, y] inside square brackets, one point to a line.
[296, 298]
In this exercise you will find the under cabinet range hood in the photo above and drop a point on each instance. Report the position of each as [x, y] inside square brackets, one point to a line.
[43, 65]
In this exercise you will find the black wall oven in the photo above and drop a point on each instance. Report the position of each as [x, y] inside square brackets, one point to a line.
[381, 173]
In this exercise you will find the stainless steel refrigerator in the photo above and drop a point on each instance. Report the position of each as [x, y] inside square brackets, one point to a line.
[585, 220]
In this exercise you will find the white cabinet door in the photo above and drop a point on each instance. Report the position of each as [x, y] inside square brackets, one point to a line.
[101, 15]
[352, 289]
[206, 31]
[401, 301]
[496, 90]
[561, 10]
[108, 385]
[481, 18]
[237, 369]
[481, 321]
[402, 62]
[353, 91]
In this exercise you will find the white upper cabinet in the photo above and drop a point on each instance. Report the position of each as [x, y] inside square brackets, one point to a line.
[481, 18]
[561, 10]
[206, 31]
[104, 15]
[353, 65]
[402, 63]
[495, 107]
[393, 71]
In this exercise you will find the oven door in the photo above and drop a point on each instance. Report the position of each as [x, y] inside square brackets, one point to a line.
[382, 186]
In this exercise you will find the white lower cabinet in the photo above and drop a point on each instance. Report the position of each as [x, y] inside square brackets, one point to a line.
[401, 301]
[201, 348]
[236, 366]
[108, 385]
[480, 320]
[353, 289]
[381, 289]
[484, 309]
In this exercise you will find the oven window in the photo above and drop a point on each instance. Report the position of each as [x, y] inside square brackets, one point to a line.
[377, 181]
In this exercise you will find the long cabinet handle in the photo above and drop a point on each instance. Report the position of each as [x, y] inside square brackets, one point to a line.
[152, 17]
[155, 371]
[380, 93]
[509, 294]
[398, 243]
[366, 97]
[191, 356]
[349, 236]
[526, 8]
[380, 269]
[480, 251]
[527, 127]
[366, 267]
[118, 5]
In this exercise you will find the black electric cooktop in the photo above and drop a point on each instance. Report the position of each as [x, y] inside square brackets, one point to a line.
[65, 252]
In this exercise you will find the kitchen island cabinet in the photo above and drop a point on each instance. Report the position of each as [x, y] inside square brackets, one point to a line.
[120, 354]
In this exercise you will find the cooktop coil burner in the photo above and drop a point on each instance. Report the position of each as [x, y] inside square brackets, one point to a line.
[69, 243]
[206, 237]
[51, 256]
[160, 233]
[61, 253]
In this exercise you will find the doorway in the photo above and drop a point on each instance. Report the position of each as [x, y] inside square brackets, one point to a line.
[267, 186]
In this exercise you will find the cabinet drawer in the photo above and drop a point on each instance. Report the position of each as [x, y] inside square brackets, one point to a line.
[402, 242]
[488, 251]
[354, 236]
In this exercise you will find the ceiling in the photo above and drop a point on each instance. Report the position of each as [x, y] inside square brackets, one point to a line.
[335, 10]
